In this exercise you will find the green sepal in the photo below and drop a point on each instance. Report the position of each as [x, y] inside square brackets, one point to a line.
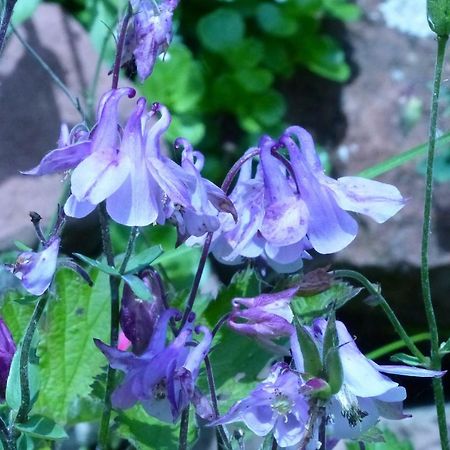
[330, 339]
[438, 13]
[310, 352]
[42, 427]
[333, 369]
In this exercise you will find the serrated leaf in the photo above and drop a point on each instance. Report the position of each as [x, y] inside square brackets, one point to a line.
[98, 265]
[143, 259]
[42, 427]
[139, 288]
[69, 360]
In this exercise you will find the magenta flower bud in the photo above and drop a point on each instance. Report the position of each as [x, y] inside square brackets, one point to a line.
[7, 350]
[36, 269]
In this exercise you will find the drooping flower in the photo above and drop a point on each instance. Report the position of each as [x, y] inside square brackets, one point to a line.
[265, 317]
[289, 206]
[207, 200]
[330, 227]
[163, 377]
[276, 405]
[366, 394]
[149, 33]
[7, 350]
[36, 269]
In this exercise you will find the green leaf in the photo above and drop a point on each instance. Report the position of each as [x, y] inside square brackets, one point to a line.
[16, 315]
[23, 10]
[402, 158]
[22, 247]
[143, 259]
[445, 347]
[147, 433]
[221, 30]
[139, 288]
[272, 20]
[407, 359]
[254, 79]
[98, 265]
[322, 55]
[307, 308]
[375, 439]
[69, 360]
[343, 10]
[42, 427]
[13, 389]
[177, 81]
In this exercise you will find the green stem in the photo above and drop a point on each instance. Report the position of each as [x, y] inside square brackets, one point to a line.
[424, 270]
[130, 246]
[184, 427]
[386, 308]
[114, 283]
[24, 409]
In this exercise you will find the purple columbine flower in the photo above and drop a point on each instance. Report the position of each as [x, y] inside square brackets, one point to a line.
[207, 200]
[276, 405]
[149, 33]
[265, 317]
[330, 227]
[7, 350]
[366, 394]
[36, 269]
[128, 169]
[289, 206]
[163, 377]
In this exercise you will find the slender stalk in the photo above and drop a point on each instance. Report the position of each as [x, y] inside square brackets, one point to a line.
[184, 427]
[114, 283]
[25, 400]
[424, 269]
[386, 308]
[249, 154]
[196, 283]
[74, 100]
[5, 21]
[120, 45]
[130, 246]
[212, 390]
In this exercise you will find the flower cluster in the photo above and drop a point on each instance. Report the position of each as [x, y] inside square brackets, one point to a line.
[127, 168]
[289, 206]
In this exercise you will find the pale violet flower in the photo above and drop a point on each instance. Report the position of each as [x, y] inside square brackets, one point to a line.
[149, 33]
[287, 207]
[276, 405]
[7, 350]
[127, 169]
[163, 377]
[366, 393]
[36, 269]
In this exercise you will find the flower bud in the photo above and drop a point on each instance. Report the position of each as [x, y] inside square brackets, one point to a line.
[7, 350]
[438, 13]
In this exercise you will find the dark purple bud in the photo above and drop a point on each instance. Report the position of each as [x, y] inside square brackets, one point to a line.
[137, 319]
[7, 350]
